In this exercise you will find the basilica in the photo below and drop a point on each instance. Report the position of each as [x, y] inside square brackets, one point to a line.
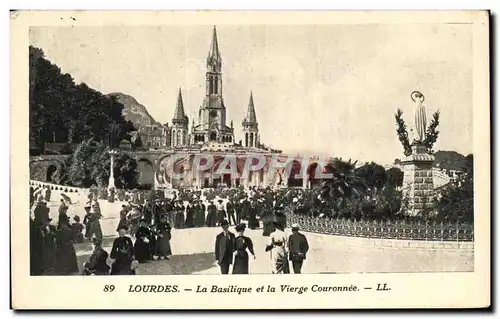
[211, 125]
[211, 135]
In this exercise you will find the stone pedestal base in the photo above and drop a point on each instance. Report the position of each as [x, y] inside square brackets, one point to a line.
[418, 184]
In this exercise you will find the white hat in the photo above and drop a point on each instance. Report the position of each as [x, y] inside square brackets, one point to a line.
[295, 226]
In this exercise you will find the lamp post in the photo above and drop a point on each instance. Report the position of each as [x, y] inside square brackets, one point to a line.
[112, 153]
[111, 182]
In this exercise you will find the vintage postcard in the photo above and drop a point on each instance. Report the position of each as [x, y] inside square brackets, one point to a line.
[250, 160]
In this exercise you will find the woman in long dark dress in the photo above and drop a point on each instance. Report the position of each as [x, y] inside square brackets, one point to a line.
[36, 249]
[179, 215]
[242, 243]
[122, 253]
[253, 222]
[211, 214]
[190, 213]
[49, 248]
[199, 216]
[141, 245]
[65, 251]
[268, 219]
[163, 248]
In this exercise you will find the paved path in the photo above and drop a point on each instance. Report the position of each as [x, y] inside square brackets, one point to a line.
[193, 252]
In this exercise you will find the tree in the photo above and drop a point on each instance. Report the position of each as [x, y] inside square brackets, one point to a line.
[344, 182]
[90, 164]
[72, 113]
[373, 174]
[456, 203]
[394, 177]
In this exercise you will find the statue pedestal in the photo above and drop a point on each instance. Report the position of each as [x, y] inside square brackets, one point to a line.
[418, 185]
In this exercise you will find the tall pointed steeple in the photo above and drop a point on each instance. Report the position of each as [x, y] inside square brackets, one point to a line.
[251, 117]
[250, 126]
[214, 61]
[179, 115]
[214, 48]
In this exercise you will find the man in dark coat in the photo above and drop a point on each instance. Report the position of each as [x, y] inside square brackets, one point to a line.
[230, 212]
[245, 207]
[224, 248]
[237, 209]
[297, 248]
[97, 263]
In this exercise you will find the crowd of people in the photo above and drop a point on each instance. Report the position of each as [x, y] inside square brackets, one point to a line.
[146, 222]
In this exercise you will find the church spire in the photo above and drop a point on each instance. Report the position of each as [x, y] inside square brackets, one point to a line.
[250, 118]
[179, 115]
[214, 58]
[214, 48]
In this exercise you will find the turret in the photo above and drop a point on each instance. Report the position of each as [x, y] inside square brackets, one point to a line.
[250, 126]
[180, 124]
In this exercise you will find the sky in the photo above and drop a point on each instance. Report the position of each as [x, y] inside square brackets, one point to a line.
[320, 89]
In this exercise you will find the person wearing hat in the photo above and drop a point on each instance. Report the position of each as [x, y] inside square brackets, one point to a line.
[122, 253]
[199, 214]
[211, 214]
[224, 248]
[253, 222]
[230, 207]
[97, 264]
[41, 213]
[36, 249]
[141, 245]
[123, 216]
[86, 221]
[163, 230]
[48, 261]
[190, 215]
[77, 228]
[66, 262]
[277, 246]
[221, 213]
[297, 248]
[241, 245]
[47, 194]
[180, 218]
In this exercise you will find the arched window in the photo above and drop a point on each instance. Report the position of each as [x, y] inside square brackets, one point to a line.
[251, 139]
[179, 142]
[246, 139]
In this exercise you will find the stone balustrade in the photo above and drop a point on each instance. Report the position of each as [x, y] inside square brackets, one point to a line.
[56, 187]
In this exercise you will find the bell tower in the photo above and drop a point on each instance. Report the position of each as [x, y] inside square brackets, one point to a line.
[213, 111]
[180, 124]
[250, 126]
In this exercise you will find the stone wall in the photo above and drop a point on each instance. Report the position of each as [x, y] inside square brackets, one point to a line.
[418, 179]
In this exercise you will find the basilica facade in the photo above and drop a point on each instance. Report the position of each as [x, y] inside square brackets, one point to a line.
[211, 136]
[211, 123]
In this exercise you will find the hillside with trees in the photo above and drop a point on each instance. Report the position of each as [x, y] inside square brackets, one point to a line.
[62, 111]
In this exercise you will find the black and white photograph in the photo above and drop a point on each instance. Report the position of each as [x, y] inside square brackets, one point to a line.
[252, 149]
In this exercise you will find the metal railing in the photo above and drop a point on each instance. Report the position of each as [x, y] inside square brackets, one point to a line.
[400, 229]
